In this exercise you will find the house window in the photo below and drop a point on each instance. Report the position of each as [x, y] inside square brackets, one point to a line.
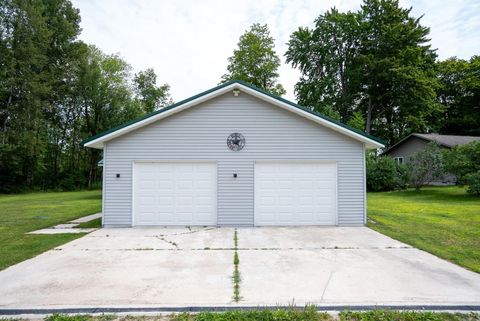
[398, 160]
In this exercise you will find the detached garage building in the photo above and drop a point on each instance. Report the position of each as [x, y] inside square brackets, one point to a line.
[233, 156]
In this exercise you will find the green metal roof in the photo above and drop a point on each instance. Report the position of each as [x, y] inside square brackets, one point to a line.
[334, 121]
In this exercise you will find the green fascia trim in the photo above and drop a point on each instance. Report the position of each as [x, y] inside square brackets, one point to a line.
[334, 121]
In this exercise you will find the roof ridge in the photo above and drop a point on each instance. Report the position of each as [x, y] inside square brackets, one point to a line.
[226, 84]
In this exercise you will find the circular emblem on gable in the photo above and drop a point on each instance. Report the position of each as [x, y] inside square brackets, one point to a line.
[236, 142]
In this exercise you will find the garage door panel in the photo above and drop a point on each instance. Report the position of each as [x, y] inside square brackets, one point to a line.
[295, 193]
[175, 193]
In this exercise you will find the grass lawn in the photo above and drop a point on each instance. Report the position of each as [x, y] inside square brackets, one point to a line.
[96, 223]
[21, 213]
[444, 221]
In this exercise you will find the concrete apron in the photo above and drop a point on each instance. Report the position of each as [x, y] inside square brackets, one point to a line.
[188, 269]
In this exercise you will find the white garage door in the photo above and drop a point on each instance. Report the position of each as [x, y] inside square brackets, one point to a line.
[295, 193]
[175, 194]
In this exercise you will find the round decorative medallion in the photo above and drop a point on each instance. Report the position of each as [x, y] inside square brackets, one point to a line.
[236, 142]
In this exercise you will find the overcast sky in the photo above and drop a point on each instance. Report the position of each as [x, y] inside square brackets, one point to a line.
[188, 42]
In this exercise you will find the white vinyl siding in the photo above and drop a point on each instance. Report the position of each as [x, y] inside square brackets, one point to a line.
[200, 133]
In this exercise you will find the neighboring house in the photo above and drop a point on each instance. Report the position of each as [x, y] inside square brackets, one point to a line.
[413, 143]
[233, 156]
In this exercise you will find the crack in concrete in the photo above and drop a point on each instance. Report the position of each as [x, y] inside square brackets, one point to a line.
[168, 241]
[326, 285]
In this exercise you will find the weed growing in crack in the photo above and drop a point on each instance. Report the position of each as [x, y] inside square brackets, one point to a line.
[236, 273]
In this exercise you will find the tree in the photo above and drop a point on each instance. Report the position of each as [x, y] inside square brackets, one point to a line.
[383, 174]
[463, 160]
[425, 166]
[37, 44]
[56, 91]
[375, 62]
[151, 96]
[325, 57]
[459, 93]
[255, 61]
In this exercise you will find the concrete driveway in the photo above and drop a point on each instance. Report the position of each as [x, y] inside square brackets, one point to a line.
[172, 267]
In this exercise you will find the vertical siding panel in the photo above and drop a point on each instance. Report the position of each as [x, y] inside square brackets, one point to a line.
[200, 133]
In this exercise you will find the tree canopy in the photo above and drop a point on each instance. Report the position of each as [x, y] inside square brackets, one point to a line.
[255, 60]
[375, 62]
[56, 91]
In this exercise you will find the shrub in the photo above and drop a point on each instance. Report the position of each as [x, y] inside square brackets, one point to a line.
[463, 160]
[425, 166]
[473, 182]
[383, 174]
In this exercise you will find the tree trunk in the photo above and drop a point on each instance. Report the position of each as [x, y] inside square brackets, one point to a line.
[368, 126]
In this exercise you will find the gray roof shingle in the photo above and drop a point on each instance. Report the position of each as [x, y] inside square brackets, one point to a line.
[448, 140]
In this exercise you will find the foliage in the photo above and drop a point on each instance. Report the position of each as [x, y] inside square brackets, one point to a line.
[148, 93]
[356, 121]
[388, 315]
[459, 93]
[462, 160]
[255, 61]
[324, 56]
[56, 91]
[349, 66]
[425, 166]
[22, 213]
[473, 182]
[309, 313]
[440, 220]
[383, 174]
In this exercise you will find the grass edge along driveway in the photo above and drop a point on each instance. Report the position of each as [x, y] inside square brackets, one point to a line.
[22, 213]
[444, 221]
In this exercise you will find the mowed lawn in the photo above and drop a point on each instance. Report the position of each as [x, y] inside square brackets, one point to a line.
[444, 221]
[21, 213]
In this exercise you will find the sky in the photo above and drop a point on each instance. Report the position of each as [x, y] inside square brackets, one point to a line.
[187, 42]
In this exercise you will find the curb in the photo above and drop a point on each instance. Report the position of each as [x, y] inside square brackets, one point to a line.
[336, 308]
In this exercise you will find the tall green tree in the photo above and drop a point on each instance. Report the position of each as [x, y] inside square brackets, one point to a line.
[459, 93]
[398, 70]
[37, 42]
[151, 96]
[325, 56]
[56, 91]
[375, 62]
[255, 60]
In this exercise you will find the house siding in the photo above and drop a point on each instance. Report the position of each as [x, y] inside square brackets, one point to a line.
[200, 133]
[408, 148]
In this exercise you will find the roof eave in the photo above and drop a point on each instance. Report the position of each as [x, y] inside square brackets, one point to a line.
[209, 94]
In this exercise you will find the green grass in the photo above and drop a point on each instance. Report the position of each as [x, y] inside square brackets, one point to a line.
[96, 223]
[444, 221]
[21, 213]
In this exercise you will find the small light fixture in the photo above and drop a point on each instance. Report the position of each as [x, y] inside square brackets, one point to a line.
[236, 92]
[235, 175]
[118, 175]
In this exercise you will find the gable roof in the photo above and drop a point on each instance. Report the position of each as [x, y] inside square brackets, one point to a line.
[447, 141]
[98, 140]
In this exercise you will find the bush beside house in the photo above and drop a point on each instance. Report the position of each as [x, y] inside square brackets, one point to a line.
[464, 162]
[425, 167]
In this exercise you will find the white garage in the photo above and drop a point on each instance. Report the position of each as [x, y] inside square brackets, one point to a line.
[174, 193]
[233, 155]
[295, 193]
